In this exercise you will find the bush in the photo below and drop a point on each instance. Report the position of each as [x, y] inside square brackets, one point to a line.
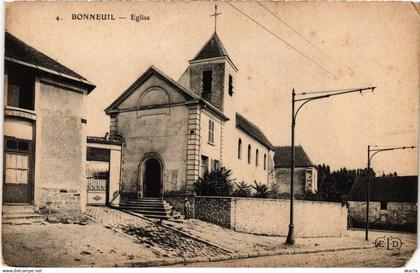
[261, 190]
[274, 191]
[312, 196]
[300, 196]
[242, 189]
[283, 195]
[215, 183]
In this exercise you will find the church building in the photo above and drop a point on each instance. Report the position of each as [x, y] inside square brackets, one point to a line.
[173, 131]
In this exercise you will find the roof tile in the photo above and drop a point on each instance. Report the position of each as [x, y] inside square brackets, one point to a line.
[212, 49]
[19, 50]
[282, 155]
[389, 188]
[252, 130]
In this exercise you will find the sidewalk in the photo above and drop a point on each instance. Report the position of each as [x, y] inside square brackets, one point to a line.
[115, 238]
[248, 243]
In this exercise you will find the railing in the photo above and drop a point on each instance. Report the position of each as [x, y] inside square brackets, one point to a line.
[97, 179]
[96, 185]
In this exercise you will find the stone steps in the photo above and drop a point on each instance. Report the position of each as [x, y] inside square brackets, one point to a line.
[20, 214]
[151, 216]
[155, 208]
[150, 204]
[23, 209]
[23, 221]
[148, 212]
[150, 208]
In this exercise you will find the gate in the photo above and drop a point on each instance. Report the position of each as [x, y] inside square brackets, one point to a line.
[97, 185]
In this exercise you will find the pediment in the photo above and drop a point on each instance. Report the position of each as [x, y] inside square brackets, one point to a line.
[152, 89]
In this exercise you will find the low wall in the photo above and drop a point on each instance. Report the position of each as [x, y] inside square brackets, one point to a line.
[216, 210]
[177, 201]
[271, 216]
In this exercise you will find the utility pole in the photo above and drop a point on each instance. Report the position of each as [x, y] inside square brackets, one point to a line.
[367, 194]
[375, 151]
[290, 236]
[326, 94]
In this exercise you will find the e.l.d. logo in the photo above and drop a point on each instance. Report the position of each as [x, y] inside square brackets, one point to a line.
[388, 243]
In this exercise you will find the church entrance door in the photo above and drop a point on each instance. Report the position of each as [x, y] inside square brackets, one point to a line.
[152, 180]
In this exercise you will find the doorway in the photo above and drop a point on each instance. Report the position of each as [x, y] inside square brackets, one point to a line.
[152, 180]
[17, 182]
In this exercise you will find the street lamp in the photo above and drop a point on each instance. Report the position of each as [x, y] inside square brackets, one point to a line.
[375, 151]
[325, 94]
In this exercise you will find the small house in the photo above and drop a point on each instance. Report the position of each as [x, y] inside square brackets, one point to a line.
[305, 177]
[393, 203]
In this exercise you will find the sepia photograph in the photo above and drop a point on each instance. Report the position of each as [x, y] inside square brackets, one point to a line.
[210, 134]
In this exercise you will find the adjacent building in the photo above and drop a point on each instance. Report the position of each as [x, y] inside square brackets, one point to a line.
[305, 177]
[393, 203]
[44, 130]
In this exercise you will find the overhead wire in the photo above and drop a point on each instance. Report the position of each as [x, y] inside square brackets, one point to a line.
[281, 39]
[301, 36]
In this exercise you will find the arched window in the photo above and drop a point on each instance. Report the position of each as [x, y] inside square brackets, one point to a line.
[153, 101]
[152, 97]
[239, 148]
[256, 158]
[265, 161]
[249, 153]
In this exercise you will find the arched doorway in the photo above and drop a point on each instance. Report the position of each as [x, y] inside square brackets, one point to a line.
[152, 179]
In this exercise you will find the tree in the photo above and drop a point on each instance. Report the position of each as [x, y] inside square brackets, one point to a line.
[242, 189]
[335, 186]
[215, 183]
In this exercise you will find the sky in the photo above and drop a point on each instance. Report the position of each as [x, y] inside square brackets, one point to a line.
[356, 44]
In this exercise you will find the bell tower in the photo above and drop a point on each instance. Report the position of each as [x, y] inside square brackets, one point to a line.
[212, 72]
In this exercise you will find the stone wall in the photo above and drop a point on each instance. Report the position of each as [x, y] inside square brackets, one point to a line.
[398, 215]
[177, 201]
[216, 210]
[60, 200]
[271, 216]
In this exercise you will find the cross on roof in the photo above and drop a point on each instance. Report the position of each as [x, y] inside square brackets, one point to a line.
[215, 17]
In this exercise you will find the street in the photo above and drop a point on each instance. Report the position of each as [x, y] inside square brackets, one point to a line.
[115, 238]
[349, 258]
